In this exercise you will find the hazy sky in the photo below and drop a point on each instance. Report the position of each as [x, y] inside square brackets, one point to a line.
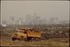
[35, 0]
[44, 9]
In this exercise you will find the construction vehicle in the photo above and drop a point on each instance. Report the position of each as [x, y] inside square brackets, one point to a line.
[26, 34]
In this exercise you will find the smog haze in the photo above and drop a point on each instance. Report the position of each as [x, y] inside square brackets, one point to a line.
[35, 12]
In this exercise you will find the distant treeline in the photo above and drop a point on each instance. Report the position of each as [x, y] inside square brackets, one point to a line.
[38, 25]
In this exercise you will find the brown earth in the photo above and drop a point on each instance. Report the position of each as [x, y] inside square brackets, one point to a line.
[52, 42]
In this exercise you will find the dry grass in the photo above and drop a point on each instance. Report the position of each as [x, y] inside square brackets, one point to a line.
[54, 42]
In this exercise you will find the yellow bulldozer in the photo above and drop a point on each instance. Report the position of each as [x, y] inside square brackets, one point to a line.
[26, 34]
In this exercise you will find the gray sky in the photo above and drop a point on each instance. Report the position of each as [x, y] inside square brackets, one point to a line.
[44, 9]
[35, 0]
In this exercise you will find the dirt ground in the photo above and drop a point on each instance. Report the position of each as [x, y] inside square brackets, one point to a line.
[52, 42]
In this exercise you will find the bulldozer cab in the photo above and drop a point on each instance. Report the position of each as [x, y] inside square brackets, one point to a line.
[22, 31]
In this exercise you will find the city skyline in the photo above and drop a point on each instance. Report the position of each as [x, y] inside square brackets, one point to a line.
[35, 20]
[30, 10]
